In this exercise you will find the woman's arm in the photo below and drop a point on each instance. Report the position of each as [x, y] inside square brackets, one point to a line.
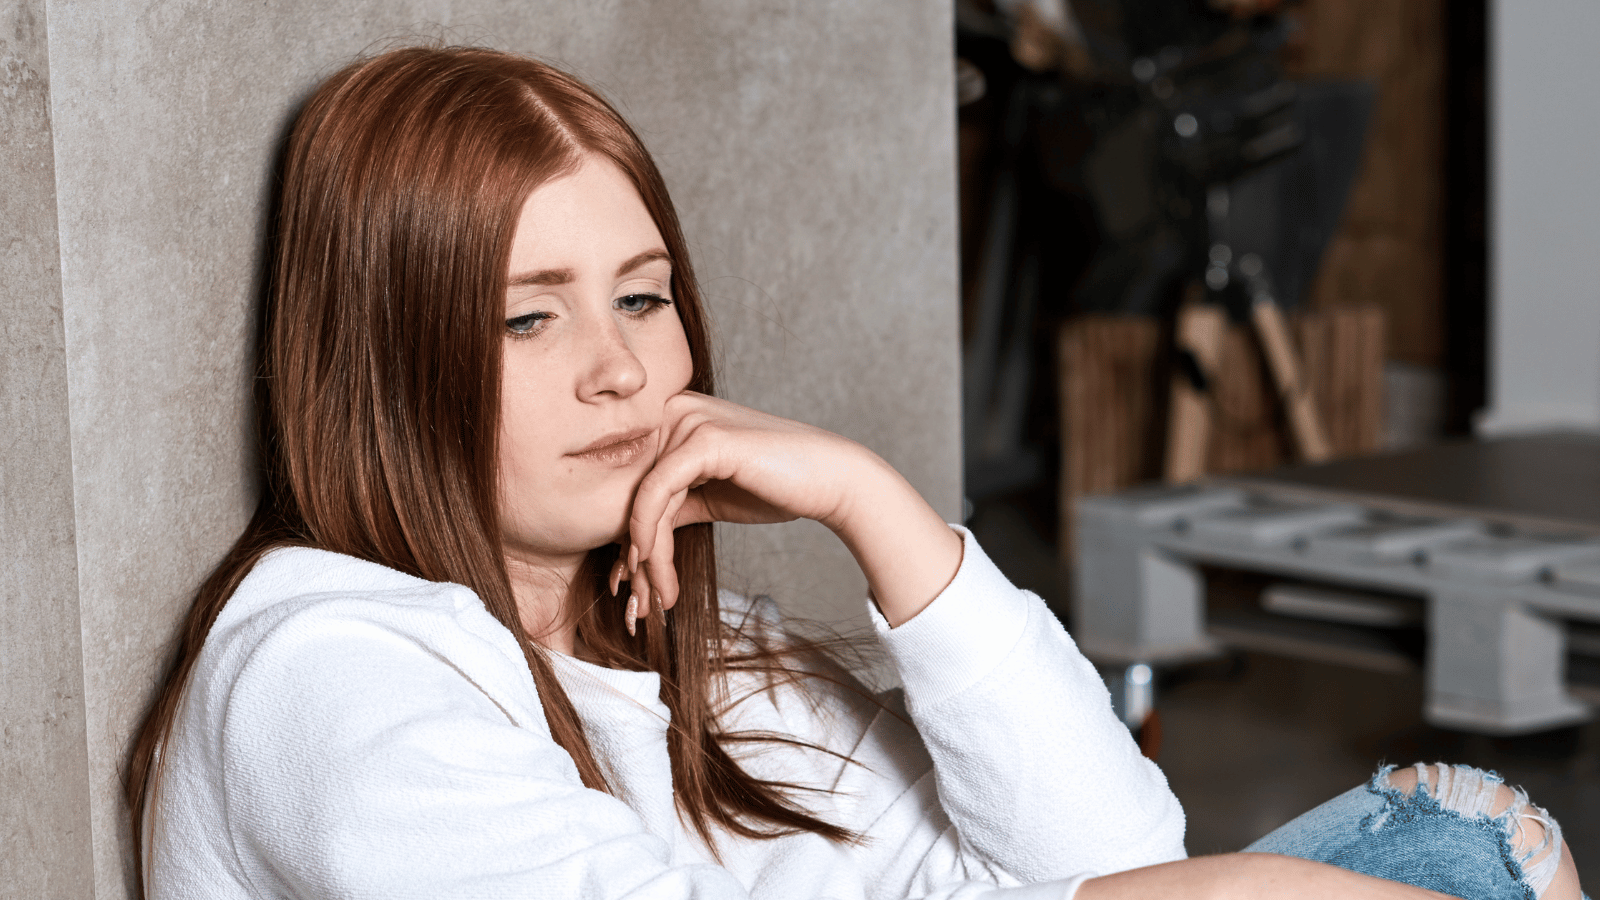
[1037, 773]
[906, 550]
[1033, 766]
[1038, 776]
[1247, 876]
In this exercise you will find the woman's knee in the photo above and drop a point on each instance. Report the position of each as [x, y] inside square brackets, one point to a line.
[1534, 837]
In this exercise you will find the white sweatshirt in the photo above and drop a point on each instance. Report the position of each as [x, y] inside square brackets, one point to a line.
[352, 732]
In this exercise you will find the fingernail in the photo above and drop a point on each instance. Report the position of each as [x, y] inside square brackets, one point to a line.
[631, 617]
[633, 559]
[616, 577]
[656, 597]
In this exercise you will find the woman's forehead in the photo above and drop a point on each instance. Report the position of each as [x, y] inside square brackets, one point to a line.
[589, 221]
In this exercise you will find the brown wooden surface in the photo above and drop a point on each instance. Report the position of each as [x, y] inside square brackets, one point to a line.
[1342, 351]
[1109, 370]
[1115, 372]
[1246, 432]
[1389, 247]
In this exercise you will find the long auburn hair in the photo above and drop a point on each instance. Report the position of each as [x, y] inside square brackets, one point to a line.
[403, 180]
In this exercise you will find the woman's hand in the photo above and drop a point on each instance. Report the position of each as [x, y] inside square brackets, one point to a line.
[721, 462]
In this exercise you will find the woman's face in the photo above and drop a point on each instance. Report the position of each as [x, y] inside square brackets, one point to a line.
[593, 350]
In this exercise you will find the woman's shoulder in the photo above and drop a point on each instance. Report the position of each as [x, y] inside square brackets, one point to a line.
[297, 583]
[307, 575]
[315, 611]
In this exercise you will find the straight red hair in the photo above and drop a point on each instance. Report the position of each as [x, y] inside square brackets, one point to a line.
[380, 387]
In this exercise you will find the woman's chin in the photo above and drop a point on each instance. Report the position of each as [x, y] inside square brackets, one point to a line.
[620, 537]
[561, 537]
[614, 531]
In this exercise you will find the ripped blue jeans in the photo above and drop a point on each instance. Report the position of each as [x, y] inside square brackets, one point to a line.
[1439, 837]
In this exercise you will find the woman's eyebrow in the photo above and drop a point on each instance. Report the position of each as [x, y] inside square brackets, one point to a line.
[546, 277]
[543, 277]
[649, 256]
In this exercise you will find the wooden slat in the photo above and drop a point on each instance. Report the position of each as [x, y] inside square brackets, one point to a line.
[1109, 407]
[1343, 354]
[1245, 433]
[1388, 251]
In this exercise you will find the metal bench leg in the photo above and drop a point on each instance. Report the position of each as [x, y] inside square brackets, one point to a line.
[1496, 667]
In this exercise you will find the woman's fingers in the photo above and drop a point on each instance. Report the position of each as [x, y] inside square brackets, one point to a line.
[663, 573]
[660, 494]
[638, 601]
[653, 580]
[619, 570]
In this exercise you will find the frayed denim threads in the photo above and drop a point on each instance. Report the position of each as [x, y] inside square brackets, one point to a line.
[1439, 836]
[1471, 793]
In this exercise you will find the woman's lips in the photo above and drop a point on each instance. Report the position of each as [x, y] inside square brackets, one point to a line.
[620, 449]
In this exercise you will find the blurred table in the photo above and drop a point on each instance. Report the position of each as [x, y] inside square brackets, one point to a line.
[1491, 548]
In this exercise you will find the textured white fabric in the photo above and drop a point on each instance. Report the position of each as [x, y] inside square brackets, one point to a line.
[354, 732]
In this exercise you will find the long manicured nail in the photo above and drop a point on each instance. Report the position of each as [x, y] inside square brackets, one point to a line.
[616, 577]
[656, 597]
[633, 559]
[631, 617]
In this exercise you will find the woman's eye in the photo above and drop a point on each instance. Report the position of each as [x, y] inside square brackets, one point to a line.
[526, 324]
[641, 303]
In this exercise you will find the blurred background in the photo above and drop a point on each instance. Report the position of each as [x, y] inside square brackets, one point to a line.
[1158, 195]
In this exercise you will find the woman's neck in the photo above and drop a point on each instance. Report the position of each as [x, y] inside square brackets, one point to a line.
[543, 592]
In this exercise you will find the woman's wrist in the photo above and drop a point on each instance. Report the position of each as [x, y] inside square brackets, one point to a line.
[906, 550]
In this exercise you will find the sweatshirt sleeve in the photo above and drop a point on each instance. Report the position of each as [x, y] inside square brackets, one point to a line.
[1036, 773]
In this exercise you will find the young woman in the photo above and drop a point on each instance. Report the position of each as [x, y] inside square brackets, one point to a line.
[471, 644]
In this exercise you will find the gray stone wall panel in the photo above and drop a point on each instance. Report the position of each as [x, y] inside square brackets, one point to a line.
[44, 812]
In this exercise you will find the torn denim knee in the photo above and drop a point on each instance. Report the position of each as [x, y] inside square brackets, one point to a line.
[1470, 794]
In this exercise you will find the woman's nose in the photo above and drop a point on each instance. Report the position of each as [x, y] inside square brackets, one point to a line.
[613, 368]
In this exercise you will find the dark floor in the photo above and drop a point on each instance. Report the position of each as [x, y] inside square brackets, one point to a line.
[1249, 752]
[1249, 742]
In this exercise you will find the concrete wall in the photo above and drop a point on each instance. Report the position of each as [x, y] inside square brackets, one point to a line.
[44, 764]
[809, 146]
[1544, 353]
